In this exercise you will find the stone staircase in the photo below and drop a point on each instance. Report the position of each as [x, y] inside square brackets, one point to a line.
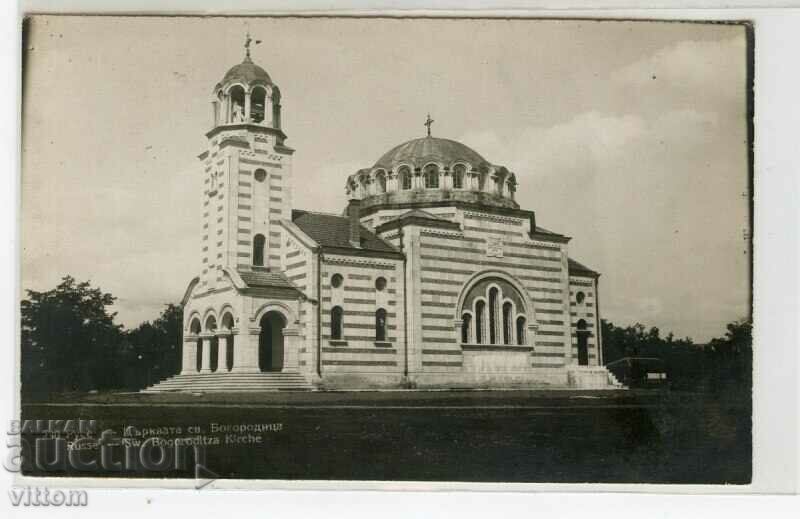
[592, 377]
[231, 382]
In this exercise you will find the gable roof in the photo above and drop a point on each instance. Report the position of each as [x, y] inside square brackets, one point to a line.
[578, 269]
[332, 232]
[418, 217]
[265, 278]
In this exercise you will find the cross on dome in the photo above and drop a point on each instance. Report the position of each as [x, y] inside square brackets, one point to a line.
[428, 123]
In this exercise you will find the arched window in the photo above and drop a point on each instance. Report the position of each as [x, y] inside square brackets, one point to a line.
[579, 297]
[236, 104]
[466, 321]
[581, 325]
[405, 178]
[260, 175]
[258, 250]
[508, 323]
[458, 176]
[258, 97]
[480, 310]
[380, 325]
[337, 317]
[493, 293]
[380, 284]
[431, 177]
[494, 304]
[380, 183]
[521, 340]
[336, 280]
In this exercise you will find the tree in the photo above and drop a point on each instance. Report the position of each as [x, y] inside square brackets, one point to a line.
[69, 338]
[153, 349]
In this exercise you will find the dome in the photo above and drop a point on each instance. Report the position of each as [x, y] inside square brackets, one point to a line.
[418, 152]
[248, 73]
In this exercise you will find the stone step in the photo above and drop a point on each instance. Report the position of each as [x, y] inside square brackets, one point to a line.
[211, 382]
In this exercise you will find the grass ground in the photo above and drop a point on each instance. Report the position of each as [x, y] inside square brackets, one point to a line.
[514, 436]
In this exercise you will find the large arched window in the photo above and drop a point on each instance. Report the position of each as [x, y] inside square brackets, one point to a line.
[337, 324]
[480, 311]
[459, 172]
[521, 330]
[498, 310]
[466, 323]
[431, 177]
[508, 322]
[258, 250]
[405, 178]
[380, 325]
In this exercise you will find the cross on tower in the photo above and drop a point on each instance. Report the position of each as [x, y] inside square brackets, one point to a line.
[247, 41]
[428, 123]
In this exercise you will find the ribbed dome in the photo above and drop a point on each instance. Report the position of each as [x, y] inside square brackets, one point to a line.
[247, 72]
[420, 151]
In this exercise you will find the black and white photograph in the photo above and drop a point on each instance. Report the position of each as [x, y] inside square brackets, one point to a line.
[387, 249]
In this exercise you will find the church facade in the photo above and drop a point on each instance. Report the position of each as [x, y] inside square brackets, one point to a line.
[431, 277]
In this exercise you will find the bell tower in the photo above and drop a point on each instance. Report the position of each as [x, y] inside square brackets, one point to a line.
[246, 172]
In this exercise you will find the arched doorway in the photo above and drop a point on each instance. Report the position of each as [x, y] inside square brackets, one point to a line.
[583, 343]
[270, 342]
[227, 325]
[211, 327]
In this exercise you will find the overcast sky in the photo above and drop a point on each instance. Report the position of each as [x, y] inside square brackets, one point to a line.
[630, 137]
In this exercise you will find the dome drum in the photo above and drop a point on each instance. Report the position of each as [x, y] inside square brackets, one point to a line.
[432, 170]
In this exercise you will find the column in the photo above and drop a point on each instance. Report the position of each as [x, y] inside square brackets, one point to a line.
[245, 350]
[291, 343]
[189, 355]
[223, 339]
[268, 112]
[205, 363]
[247, 106]
[215, 113]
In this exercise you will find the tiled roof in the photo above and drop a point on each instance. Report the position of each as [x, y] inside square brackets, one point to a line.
[333, 231]
[580, 269]
[265, 278]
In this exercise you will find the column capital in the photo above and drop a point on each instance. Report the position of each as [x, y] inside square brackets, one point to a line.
[223, 333]
[190, 337]
[206, 335]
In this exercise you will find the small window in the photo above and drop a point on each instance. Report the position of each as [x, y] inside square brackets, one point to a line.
[431, 177]
[405, 178]
[480, 308]
[380, 284]
[336, 280]
[380, 325]
[258, 250]
[337, 315]
[579, 297]
[466, 322]
[260, 175]
[521, 330]
[458, 176]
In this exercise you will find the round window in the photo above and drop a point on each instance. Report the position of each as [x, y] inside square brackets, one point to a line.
[380, 284]
[260, 175]
[579, 297]
[336, 280]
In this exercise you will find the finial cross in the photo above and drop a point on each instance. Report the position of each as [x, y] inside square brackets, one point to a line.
[428, 123]
[247, 41]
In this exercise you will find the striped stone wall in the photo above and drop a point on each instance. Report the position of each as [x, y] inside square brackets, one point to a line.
[358, 351]
[586, 311]
[441, 262]
[241, 205]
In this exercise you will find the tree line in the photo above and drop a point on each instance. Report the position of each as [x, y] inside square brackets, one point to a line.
[70, 342]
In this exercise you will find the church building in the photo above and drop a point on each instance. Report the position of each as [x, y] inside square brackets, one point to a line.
[431, 277]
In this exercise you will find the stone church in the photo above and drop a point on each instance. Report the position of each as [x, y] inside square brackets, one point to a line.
[431, 277]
